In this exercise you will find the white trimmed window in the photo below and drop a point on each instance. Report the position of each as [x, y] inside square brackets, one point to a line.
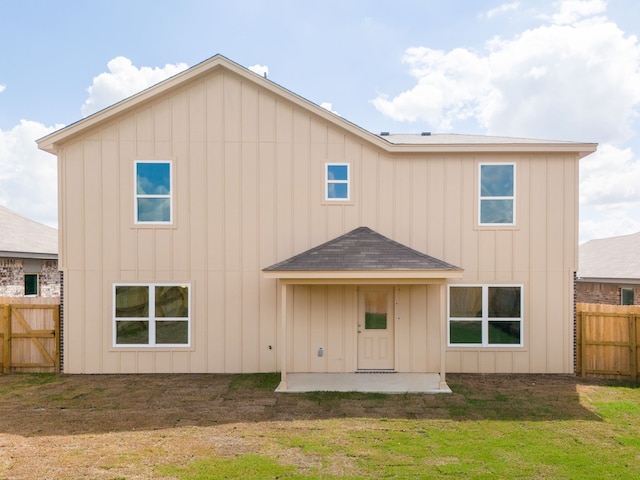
[485, 315]
[153, 191]
[497, 187]
[337, 181]
[152, 315]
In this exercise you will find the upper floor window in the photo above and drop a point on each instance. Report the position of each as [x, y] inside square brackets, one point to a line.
[497, 203]
[485, 315]
[153, 192]
[337, 184]
[151, 315]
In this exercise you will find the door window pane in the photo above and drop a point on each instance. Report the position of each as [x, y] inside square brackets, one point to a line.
[375, 306]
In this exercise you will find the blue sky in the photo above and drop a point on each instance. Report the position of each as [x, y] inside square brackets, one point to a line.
[567, 70]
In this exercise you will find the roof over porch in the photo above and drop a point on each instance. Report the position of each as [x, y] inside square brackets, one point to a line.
[363, 256]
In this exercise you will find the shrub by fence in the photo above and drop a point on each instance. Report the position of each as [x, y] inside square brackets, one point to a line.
[29, 334]
[607, 340]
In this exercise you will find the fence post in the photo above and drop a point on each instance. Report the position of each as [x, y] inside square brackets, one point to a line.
[633, 346]
[6, 360]
[583, 343]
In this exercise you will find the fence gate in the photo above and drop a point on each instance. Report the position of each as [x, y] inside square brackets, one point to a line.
[29, 335]
[607, 340]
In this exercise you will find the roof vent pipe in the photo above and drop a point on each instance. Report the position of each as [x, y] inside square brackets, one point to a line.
[426, 134]
[384, 134]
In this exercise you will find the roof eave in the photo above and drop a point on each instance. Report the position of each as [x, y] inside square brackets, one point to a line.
[581, 149]
[51, 143]
[363, 276]
[612, 280]
[36, 255]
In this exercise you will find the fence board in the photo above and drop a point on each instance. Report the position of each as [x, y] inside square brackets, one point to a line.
[30, 333]
[607, 340]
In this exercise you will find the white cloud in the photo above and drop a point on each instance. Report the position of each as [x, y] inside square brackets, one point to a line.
[28, 176]
[123, 80]
[609, 193]
[576, 82]
[2, 87]
[610, 176]
[571, 11]
[451, 86]
[501, 9]
[261, 70]
[329, 106]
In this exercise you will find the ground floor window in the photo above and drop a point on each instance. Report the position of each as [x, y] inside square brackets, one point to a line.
[485, 315]
[31, 284]
[153, 315]
[626, 295]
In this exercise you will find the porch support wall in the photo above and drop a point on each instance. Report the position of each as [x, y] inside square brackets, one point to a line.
[283, 337]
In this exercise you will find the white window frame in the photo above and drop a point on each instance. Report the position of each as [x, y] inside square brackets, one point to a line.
[511, 197]
[328, 182]
[485, 319]
[152, 319]
[138, 196]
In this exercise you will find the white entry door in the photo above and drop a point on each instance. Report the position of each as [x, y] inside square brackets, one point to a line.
[375, 328]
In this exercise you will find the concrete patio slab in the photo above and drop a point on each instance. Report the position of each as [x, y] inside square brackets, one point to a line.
[364, 382]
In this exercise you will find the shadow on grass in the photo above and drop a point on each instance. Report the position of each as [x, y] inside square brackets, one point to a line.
[41, 405]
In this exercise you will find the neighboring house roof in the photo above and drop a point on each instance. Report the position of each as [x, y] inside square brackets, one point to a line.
[24, 238]
[614, 259]
[363, 250]
[389, 143]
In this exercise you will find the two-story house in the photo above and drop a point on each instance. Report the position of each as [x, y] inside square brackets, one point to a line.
[217, 222]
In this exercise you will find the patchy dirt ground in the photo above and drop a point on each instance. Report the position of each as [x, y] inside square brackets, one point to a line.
[122, 426]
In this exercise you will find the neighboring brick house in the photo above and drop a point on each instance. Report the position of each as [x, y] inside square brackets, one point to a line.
[609, 271]
[28, 257]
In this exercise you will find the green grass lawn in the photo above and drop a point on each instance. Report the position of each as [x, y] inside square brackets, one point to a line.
[235, 426]
[500, 435]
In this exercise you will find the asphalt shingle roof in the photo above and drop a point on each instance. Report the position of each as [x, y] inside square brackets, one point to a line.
[361, 249]
[24, 237]
[614, 257]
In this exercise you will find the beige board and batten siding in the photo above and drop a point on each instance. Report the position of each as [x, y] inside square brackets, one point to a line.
[248, 163]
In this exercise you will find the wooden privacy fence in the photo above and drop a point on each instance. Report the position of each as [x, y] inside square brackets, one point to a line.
[607, 340]
[29, 334]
